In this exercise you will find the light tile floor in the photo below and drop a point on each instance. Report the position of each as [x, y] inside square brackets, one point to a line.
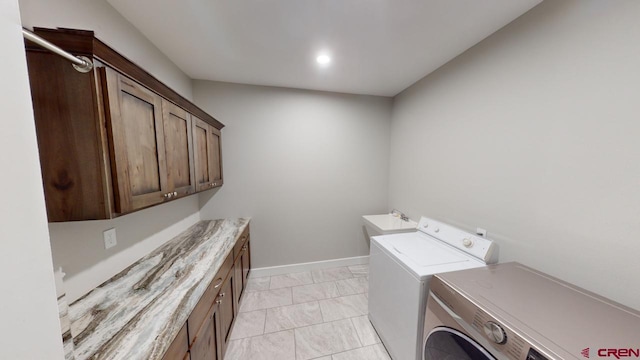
[319, 314]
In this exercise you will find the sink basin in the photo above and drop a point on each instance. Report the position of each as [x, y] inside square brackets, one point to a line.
[387, 224]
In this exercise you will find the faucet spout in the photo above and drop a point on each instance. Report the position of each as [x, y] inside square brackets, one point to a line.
[399, 214]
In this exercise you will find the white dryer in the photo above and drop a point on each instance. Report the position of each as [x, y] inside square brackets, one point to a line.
[400, 266]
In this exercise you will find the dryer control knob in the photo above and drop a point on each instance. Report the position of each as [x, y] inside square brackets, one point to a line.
[436, 229]
[467, 242]
[495, 332]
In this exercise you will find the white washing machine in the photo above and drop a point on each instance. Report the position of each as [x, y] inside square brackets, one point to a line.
[400, 266]
[512, 312]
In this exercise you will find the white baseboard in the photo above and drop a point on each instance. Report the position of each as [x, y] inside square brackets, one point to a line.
[293, 268]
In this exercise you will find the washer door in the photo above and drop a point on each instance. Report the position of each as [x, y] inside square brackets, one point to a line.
[444, 343]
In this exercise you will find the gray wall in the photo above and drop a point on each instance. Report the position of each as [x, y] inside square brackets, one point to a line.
[305, 165]
[78, 246]
[29, 328]
[533, 135]
[110, 27]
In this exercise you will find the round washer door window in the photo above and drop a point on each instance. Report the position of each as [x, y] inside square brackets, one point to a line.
[444, 343]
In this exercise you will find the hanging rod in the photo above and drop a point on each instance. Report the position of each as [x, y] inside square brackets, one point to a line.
[81, 63]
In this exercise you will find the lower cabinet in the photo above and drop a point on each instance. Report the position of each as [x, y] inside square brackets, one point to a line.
[241, 270]
[207, 332]
[228, 309]
[179, 348]
[206, 343]
[246, 263]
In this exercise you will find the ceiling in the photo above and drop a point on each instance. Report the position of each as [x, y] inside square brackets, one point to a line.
[377, 47]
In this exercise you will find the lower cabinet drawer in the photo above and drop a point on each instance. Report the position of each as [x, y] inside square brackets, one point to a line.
[237, 248]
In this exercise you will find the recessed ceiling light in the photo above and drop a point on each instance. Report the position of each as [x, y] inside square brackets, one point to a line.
[323, 59]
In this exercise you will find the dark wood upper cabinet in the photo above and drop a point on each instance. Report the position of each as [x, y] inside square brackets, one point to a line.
[114, 140]
[208, 165]
[136, 136]
[178, 142]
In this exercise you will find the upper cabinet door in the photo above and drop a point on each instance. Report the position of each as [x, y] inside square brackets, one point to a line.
[215, 157]
[137, 141]
[206, 144]
[179, 149]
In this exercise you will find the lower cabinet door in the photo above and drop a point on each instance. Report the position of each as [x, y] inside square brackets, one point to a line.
[227, 305]
[206, 344]
[246, 263]
[179, 348]
[238, 289]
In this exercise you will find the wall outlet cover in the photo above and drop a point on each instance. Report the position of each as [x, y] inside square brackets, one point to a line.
[110, 238]
[482, 232]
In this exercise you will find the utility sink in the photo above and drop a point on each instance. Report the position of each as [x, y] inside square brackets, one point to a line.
[387, 224]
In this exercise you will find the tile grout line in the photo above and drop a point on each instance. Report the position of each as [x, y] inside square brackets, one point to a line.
[321, 313]
[356, 330]
[295, 345]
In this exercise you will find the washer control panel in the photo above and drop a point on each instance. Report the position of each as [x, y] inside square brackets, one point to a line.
[482, 248]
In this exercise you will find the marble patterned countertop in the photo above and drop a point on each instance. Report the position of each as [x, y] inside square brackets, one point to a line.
[137, 313]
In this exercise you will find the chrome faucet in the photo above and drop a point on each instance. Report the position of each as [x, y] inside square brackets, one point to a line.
[400, 214]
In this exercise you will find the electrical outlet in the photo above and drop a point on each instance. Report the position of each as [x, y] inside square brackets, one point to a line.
[110, 238]
[482, 232]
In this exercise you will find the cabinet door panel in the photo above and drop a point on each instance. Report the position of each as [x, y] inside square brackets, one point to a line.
[179, 151]
[141, 144]
[246, 263]
[179, 347]
[227, 306]
[201, 145]
[208, 163]
[137, 142]
[215, 163]
[237, 290]
[206, 344]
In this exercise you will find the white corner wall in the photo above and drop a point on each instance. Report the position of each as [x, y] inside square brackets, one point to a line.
[533, 135]
[28, 307]
[78, 246]
[305, 165]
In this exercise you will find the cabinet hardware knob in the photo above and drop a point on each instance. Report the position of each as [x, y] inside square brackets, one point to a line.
[244, 248]
[175, 193]
[221, 295]
[219, 301]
